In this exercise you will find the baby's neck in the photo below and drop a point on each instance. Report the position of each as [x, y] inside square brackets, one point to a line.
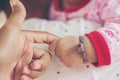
[66, 4]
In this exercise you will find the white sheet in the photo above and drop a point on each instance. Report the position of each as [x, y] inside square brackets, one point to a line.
[56, 70]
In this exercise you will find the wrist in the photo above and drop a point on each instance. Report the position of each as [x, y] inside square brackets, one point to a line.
[85, 49]
[90, 51]
[76, 43]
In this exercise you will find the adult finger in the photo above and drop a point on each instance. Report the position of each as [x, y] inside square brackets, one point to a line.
[42, 59]
[31, 73]
[17, 16]
[39, 65]
[25, 77]
[40, 37]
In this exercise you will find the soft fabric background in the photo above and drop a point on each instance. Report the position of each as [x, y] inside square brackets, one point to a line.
[56, 70]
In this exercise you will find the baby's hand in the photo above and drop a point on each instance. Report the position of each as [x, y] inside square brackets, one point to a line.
[65, 50]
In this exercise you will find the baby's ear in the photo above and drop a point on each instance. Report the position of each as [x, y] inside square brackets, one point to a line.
[53, 45]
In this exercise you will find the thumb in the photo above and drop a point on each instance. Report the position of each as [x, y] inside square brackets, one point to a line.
[17, 16]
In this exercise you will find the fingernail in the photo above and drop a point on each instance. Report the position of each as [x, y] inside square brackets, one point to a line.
[23, 78]
[37, 66]
[26, 70]
[13, 3]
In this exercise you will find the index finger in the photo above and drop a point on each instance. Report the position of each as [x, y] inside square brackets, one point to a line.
[40, 36]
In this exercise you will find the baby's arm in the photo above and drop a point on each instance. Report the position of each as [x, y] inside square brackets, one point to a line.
[106, 40]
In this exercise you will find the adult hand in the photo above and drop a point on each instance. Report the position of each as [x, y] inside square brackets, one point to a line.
[17, 50]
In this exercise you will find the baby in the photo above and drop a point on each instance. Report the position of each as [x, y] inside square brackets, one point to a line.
[56, 70]
[101, 45]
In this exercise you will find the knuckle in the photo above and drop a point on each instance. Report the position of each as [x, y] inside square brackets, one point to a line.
[70, 65]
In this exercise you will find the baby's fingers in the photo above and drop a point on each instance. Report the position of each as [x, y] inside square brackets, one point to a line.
[53, 45]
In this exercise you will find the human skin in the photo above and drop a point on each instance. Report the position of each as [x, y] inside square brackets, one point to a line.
[19, 59]
[65, 50]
